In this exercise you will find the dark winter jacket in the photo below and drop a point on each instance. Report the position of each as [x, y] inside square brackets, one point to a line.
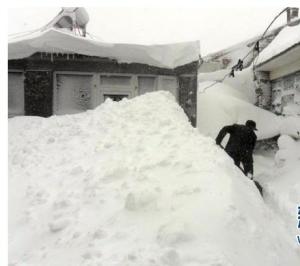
[241, 141]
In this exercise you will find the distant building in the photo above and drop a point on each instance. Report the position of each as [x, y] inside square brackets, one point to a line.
[58, 69]
[279, 67]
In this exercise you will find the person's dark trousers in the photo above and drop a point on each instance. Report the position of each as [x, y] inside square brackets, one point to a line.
[235, 156]
[246, 161]
[248, 167]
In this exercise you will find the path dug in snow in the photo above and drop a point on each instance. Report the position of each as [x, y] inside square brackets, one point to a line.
[132, 183]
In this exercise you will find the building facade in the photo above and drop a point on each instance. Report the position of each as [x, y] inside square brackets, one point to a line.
[55, 72]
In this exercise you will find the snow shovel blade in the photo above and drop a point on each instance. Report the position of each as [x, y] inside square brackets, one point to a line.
[259, 187]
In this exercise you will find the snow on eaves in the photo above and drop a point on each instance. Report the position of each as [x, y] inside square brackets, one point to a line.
[57, 41]
[287, 38]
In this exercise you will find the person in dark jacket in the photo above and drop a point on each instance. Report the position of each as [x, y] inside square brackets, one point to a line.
[240, 145]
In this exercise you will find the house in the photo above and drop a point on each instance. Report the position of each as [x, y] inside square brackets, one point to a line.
[276, 75]
[59, 69]
[279, 66]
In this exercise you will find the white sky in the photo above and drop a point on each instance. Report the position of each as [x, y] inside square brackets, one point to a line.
[215, 27]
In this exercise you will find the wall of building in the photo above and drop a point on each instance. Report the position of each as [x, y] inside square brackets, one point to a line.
[286, 94]
[45, 73]
[38, 93]
[263, 89]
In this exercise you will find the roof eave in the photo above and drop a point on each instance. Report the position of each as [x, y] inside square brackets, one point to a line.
[261, 66]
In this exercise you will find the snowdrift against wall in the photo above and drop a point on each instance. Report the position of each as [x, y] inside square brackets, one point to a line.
[222, 105]
[132, 183]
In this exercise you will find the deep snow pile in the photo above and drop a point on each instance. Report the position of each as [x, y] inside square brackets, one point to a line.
[228, 105]
[225, 106]
[280, 179]
[242, 84]
[55, 40]
[132, 183]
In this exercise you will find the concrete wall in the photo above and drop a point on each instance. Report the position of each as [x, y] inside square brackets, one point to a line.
[40, 71]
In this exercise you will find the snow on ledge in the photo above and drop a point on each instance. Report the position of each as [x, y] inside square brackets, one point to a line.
[287, 38]
[57, 41]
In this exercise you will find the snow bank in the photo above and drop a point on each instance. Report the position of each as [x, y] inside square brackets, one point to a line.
[242, 85]
[59, 41]
[280, 179]
[290, 125]
[132, 183]
[222, 105]
[286, 38]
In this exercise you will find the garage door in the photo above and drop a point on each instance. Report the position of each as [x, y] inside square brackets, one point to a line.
[73, 93]
[15, 94]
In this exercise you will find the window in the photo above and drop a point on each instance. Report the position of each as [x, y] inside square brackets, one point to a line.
[115, 97]
[146, 84]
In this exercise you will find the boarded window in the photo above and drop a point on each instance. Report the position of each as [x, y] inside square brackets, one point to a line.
[15, 94]
[113, 81]
[73, 93]
[170, 84]
[146, 84]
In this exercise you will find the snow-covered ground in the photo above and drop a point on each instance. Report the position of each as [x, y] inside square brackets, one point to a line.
[132, 183]
[276, 169]
[278, 172]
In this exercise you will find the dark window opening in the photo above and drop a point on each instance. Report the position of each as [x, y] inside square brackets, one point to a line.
[115, 97]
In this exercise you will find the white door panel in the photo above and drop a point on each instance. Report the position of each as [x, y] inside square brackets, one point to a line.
[73, 93]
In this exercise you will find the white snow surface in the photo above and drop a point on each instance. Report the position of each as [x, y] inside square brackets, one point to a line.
[61, 41]
[132, 183]
[280, 178]
[287, 37]
[241, 86]
[221, 105]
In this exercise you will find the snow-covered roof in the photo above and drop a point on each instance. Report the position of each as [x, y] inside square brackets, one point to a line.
[61, 41]
[288, 38]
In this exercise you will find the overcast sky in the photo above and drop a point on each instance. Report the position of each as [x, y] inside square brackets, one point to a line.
[216, 28]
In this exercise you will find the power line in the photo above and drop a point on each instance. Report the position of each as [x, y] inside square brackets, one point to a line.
[239, 65]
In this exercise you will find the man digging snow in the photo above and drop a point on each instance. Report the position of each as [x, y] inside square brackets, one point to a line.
[240, 146]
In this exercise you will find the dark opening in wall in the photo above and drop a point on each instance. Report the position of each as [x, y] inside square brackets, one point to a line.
[38, 93]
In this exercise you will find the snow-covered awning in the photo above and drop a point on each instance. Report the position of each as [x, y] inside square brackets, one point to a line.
[61, 41]
[285, 48]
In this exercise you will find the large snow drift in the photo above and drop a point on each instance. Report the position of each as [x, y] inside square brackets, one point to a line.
[241, 86]
[59, 41]
[132, 183]
[221, 105]
[280, 179]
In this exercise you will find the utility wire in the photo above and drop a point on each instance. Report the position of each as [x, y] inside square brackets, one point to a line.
[239, 65]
